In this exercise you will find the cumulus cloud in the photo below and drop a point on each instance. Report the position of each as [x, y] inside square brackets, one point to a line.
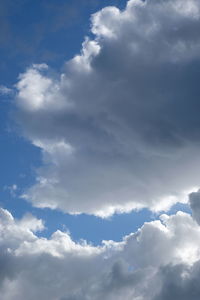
[159, 261]
[119, 128]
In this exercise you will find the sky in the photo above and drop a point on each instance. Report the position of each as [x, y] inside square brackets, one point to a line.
[100, 140]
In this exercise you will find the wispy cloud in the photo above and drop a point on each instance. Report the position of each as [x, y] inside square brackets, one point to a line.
[5, 90]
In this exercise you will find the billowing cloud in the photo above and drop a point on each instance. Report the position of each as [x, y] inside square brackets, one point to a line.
[159, 261]
[119, 129]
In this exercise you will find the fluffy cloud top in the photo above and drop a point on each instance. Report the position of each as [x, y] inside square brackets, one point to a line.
[158, 262]
[119, 129]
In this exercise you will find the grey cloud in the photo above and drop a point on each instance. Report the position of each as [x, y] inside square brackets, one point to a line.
[194, 200]
[179, 282]
[127, 106]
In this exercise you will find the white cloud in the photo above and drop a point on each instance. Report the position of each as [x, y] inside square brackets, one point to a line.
[127, 107]
[5, 90]
[142, 266]
[31, 223]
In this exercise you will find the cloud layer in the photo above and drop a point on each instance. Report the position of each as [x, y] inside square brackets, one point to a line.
[158, 262]
[119, 128]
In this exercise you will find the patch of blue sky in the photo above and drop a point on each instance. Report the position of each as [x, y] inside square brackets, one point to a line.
[90, 228]
[87, 227]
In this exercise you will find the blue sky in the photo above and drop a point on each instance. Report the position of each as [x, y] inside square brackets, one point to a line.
[99, 134]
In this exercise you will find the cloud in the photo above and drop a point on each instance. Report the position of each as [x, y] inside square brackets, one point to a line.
[138, 267]
[179, 282]
[119, 128]
[5, 90]
[194, 200]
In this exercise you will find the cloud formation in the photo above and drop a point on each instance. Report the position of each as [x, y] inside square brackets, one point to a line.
[5, 90]
[138, 267]
[119, 128]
